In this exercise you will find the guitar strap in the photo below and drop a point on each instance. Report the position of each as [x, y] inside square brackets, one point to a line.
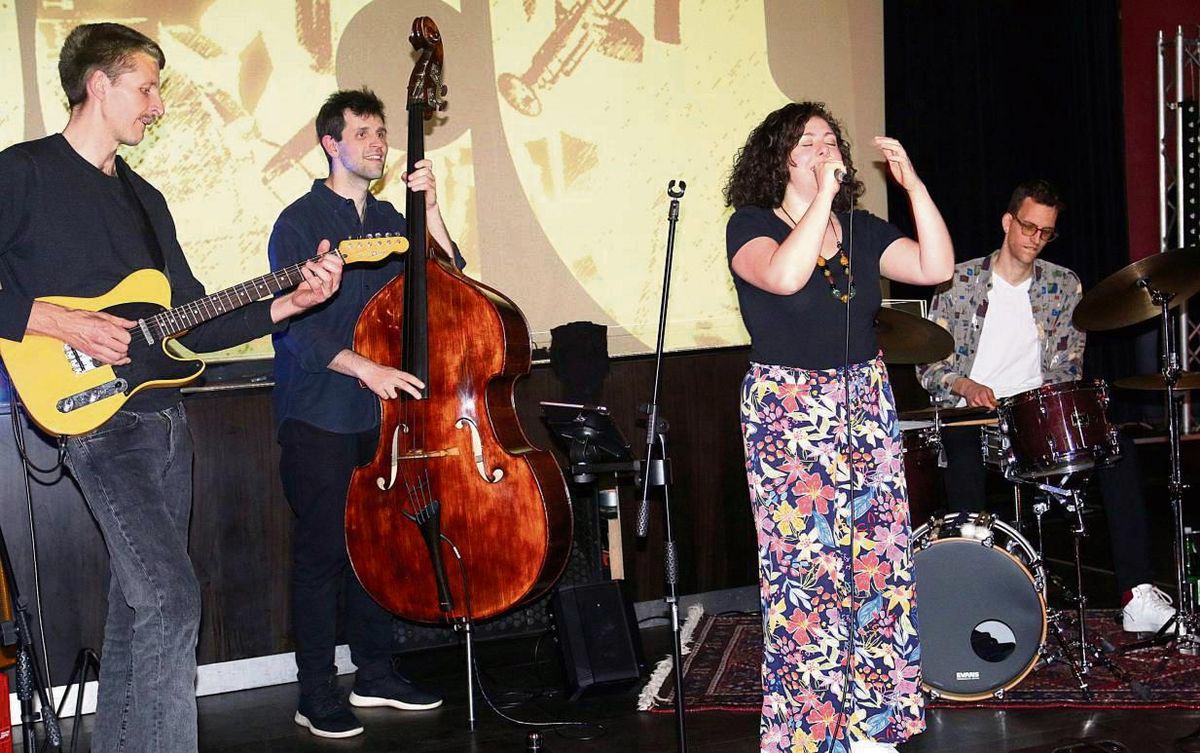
[156, 252]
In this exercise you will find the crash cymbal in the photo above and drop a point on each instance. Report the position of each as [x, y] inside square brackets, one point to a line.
[907, 338]
[944, 414]
[1122, 298]
[1188, 380]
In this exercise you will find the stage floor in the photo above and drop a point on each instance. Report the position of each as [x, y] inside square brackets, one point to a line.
[260, 721]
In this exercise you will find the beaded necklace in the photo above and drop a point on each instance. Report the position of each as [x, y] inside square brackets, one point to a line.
[824, 266]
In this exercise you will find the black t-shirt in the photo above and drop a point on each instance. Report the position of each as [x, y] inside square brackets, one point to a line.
[67, 229]
[808, 328]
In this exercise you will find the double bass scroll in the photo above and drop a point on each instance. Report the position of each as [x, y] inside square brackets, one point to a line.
[453, 471]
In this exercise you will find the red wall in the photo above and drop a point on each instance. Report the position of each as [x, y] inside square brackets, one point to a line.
[1140, 23]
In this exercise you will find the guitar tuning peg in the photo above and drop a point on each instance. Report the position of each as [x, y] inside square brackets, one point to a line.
[441, 106]
[445, 89]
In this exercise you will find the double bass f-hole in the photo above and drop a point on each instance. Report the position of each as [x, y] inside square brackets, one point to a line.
[477, 451]
[395, 459]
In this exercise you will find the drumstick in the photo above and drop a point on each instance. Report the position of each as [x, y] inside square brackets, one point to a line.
[974, 422]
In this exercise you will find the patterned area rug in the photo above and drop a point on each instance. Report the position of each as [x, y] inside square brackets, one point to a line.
[721, 672]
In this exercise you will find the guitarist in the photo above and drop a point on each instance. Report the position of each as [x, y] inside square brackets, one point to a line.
[75, 220]
[328, 422]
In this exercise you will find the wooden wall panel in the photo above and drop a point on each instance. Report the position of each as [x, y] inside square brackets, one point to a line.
[240, 534]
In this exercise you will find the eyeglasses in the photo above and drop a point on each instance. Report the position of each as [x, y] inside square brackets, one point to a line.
[1028, 229]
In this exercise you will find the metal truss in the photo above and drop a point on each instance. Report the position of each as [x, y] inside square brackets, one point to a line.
[1179, 171]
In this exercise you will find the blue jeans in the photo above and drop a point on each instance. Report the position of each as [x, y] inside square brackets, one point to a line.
[135, 472]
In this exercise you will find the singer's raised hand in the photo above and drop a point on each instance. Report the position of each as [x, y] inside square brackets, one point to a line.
[899, 164]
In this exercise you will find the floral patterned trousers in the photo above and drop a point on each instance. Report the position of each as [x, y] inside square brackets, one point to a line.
[841, 659]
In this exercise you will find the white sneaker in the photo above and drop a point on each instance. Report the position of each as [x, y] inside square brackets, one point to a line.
[1147, 611]
[870, 746]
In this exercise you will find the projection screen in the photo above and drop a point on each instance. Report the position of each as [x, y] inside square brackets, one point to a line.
[566, 121]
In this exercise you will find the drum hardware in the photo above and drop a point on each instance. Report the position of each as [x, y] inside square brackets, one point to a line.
[1142, 290]
[1083, 653]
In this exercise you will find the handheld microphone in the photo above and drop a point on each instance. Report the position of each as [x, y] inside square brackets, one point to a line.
[841, 176]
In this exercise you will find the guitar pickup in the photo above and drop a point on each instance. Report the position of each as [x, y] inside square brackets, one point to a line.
[87, 397]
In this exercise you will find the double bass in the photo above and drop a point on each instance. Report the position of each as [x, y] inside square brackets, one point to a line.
[457, 516]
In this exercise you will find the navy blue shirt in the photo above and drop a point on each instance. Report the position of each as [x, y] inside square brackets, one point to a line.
[306, 389]
[807, 329]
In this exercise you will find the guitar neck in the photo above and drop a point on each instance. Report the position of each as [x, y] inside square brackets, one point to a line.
[182, 318]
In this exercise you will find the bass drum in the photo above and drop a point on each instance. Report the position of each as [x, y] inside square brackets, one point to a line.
[982, 606]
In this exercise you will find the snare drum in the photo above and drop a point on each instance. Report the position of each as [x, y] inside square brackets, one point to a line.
[981, 595]
[1059, 429]
[922, 446]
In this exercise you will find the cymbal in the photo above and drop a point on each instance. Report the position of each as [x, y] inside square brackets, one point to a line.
[1188, 380]
[966, 411]
[907, 338]
[1121, 299]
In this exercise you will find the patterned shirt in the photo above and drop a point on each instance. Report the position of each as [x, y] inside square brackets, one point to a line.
[960, 305]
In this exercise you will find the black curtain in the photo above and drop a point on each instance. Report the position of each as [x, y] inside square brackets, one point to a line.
[987, 94]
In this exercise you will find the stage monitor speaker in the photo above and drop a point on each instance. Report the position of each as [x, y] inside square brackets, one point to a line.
[597, 636]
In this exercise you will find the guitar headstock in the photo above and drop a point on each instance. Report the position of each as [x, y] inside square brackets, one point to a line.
[425, 87]
[371, 249]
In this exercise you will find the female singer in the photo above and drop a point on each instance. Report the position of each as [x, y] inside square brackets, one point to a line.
[841, 657]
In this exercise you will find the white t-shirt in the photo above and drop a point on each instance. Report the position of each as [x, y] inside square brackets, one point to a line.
[1009, 358]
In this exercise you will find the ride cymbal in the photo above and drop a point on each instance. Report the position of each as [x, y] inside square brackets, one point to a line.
[907, 338]
[1188, 380]
[1124, 297]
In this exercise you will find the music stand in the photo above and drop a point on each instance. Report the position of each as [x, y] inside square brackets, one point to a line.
[593, 442]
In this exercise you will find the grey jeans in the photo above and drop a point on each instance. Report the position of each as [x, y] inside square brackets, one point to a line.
[135, 472]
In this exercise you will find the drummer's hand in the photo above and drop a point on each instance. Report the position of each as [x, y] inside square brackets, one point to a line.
[977, 395]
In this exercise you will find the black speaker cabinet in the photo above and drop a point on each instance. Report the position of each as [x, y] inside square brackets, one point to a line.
[597, 635]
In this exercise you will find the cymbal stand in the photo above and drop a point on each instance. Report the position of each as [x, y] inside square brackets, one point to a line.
[1182, 629]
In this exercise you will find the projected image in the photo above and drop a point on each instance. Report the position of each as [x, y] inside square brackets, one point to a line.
[566, 122]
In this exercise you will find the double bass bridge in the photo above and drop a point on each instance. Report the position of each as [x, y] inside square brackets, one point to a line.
[418, 454]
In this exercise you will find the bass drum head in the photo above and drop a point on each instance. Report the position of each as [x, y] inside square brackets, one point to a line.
[982, 619]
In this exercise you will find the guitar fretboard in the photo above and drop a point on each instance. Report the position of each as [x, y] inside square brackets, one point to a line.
[181, 318]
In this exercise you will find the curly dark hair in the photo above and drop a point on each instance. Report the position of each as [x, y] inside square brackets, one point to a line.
[760, 169]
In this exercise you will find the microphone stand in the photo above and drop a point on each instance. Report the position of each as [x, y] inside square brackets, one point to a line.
[656, 473]
[28, 676]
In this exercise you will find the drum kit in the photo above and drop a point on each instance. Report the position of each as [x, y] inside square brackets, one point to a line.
[985, 621]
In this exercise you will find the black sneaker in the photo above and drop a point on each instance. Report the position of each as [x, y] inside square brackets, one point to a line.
[325, 714]
[394, 690]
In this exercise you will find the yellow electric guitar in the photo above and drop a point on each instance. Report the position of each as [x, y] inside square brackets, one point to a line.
[66, 392]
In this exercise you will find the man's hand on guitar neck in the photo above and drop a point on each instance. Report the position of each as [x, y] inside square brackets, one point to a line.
[102, 336]
[322, 277]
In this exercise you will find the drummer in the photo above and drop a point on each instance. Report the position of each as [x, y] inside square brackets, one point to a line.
[1010, 315]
